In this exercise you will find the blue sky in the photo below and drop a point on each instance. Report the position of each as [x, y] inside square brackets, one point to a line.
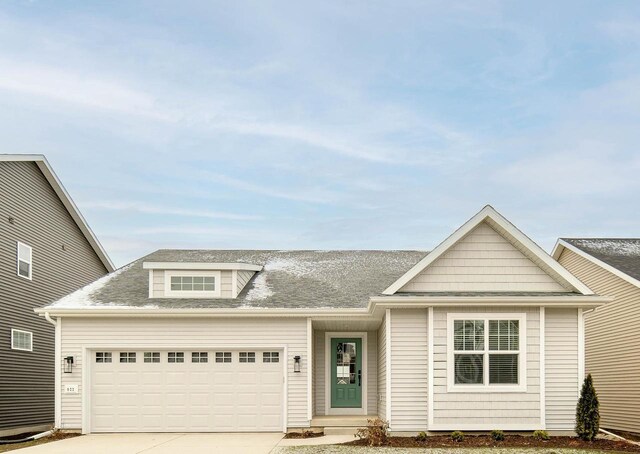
[334, 125]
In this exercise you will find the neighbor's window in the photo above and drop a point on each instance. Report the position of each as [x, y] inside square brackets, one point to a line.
[21, 340]
[176, 357]
[487, 351]
[199, 357]
[103, 357]
[270, 357]
[127, 357]
[223, 357]
[151, 357]
[193, 283]
[24, 264]
[247, 357]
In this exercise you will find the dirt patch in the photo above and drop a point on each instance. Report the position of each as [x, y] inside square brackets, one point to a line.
[510, 441]
[304, 434]
[53, 437]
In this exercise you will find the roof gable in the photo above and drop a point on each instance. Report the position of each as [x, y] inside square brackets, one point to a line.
[488, 253]
[620, 256]
[66, 200]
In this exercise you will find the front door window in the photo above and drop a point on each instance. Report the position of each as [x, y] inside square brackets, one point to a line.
[346, 373]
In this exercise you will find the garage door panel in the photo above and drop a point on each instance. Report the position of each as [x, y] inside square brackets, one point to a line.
[186, 397]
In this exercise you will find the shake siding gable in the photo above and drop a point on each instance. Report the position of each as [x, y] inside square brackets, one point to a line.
[122, 334]
[483, 261]
[611, 342]
[409, 374]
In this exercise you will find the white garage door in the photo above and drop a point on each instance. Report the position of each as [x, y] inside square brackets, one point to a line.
[186, 391]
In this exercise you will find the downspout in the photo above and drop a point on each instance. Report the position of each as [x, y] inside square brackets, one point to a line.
[23, 440]
[49, 319]
[57, 395]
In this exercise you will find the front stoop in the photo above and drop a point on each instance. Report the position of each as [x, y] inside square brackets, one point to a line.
[339, 425]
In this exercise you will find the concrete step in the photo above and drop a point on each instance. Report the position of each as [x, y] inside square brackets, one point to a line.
[351, 431]
[339, 421]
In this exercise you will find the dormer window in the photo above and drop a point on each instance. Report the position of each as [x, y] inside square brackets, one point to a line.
[192, 284]
[198, 279]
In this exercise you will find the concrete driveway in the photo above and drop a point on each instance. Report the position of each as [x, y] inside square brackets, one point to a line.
[234, 443]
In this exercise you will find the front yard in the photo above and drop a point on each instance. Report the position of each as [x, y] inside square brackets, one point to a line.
[345, 449]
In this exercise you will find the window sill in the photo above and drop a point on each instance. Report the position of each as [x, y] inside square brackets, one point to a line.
[521, 388]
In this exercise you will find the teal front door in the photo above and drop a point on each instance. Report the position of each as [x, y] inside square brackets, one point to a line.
[346, 372]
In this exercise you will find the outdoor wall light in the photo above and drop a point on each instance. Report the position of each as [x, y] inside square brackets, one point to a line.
[68, 364]
[296, 364]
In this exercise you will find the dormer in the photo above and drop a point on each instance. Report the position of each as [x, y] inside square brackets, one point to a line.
[197, 279]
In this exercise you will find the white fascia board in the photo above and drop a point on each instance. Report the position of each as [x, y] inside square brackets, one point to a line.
[336, 313]
[488, 212]
[67, 201]
[561, 245]
[200, 266]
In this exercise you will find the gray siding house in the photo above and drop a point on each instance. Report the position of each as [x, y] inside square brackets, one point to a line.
[611, 267]
[46, 251]
[484, 332]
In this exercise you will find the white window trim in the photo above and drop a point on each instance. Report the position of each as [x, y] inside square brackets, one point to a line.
[452, 387]
[13, 331]
[192, 294]
[18, 260]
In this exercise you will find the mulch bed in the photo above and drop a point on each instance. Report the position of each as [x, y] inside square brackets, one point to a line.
[510, 441]
[304, 434]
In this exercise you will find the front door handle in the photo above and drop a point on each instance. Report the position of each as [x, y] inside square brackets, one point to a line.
[359, 377]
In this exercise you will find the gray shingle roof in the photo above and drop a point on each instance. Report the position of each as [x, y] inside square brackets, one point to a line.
[290, 279]
[620, 253]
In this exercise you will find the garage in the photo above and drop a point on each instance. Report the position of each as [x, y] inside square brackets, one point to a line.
[186, 391]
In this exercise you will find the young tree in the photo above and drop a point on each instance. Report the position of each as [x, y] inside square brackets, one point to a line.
[587, 411]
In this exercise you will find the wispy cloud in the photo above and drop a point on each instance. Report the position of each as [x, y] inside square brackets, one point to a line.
[143, 207]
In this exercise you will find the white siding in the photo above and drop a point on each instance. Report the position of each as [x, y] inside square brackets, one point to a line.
[486, 410]
[561, 364]
[611, 344]
[483, 261]
[243, 278]
[409, 373]
[158, 283]
[114, 334]
[382, 369]
[319, 372]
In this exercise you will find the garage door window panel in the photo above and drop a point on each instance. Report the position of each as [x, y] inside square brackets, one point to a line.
[199, 357]
[175, 357]
[223, 357]
[127, 357]
[103, 357]
[151, 357]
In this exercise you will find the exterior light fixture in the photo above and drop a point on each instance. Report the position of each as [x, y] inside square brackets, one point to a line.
[296, 364]
[68, 364]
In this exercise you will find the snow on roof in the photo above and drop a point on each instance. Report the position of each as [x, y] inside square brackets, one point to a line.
[289, 279]
[620, 253]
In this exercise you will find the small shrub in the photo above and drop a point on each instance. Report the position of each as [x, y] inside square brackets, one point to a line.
[497, 435]
[422, 436]
[541, 435]
[376, 432]
[457, 436]
[587, 411]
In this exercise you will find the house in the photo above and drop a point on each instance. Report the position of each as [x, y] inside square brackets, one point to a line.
[610, 267]
[485, 332]
[47, 250]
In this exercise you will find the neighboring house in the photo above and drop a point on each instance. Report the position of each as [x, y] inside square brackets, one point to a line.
[46, 251]
[611, 267]
[485, 332]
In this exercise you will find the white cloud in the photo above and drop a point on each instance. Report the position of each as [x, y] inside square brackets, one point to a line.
[143, 207]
